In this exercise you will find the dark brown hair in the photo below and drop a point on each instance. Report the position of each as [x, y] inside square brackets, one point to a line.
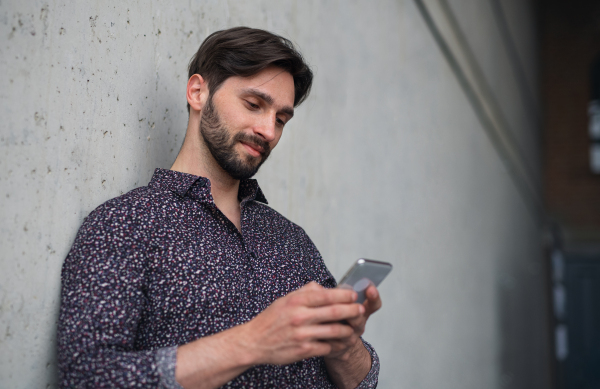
[244, 51]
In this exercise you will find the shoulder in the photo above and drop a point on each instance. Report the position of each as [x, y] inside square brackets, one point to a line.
[113, 242]
[132, 208]
[126, 218]
[121, 226]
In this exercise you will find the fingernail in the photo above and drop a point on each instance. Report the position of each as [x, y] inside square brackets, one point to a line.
[361, 309]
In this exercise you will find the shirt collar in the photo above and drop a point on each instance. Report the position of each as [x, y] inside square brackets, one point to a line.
[197, 187]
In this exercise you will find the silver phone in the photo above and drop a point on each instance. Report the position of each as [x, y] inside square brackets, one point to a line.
[363, 273]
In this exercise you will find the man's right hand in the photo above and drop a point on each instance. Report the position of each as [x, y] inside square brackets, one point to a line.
[297, 326]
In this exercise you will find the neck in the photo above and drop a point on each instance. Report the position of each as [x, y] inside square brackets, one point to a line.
[195, 158]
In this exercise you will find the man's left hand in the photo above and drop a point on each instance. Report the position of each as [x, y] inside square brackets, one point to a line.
[349, 361]
[342, 348]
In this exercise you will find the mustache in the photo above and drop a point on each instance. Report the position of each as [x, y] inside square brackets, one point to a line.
[253, 140]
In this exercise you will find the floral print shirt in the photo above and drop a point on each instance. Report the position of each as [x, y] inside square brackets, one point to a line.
[161, 266]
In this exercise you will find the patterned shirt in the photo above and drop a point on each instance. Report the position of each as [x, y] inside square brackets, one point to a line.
[162, 266]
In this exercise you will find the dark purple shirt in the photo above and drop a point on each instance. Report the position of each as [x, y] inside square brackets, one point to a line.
[162, 266]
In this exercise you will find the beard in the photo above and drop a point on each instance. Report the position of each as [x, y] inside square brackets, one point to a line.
[221, 145]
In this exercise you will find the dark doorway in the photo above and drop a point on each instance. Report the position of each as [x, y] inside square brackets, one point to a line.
[581, 367]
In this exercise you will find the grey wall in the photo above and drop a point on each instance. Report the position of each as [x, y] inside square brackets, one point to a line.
[388, 159]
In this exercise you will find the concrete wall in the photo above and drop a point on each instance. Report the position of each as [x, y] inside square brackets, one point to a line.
[388, 159]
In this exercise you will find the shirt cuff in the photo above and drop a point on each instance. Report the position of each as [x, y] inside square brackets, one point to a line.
[166, 359]
[370, 381]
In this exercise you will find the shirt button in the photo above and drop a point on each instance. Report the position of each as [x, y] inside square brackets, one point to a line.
[252, 254]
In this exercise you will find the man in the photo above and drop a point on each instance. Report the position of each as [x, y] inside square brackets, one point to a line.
[193, 281]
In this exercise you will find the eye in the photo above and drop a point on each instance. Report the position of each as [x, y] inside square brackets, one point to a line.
[280, 122]
[251, 105]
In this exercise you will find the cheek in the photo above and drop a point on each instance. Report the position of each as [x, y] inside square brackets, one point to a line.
[233, 120]
[230, 114]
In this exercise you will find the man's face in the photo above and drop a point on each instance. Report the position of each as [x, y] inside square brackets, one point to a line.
[243, 120]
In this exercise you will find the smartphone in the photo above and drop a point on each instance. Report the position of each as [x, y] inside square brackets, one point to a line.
[363, 273]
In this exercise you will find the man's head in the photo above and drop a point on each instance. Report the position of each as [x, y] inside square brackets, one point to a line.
[251, 80]
[243, 52]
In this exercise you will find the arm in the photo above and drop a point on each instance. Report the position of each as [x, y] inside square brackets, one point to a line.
[101, 303]
[350, 369]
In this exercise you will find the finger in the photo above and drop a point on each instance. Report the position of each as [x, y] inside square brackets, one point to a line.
[373, 301]
[336, 312]
[358, 323]
[315, 348]
[372, 292]
[324, 332]
[322, 297]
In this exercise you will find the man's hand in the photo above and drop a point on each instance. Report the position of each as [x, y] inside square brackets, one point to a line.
[349, 362]
[311, 321]
[304, 324]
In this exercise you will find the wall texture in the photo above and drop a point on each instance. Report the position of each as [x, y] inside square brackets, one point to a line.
[388, 159]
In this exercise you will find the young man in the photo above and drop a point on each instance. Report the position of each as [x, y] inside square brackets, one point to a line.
[193, 281]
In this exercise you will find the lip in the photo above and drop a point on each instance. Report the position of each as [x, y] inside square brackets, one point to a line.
[254, 150]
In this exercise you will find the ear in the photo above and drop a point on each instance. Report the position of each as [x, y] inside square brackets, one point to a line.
[197, 92]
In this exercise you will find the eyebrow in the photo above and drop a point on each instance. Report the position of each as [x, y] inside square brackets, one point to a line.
[269, 100]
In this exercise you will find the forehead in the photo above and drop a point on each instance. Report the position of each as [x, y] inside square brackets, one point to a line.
[273, 81]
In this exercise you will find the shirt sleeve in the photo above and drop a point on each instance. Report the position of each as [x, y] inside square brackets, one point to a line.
[166, 360]
[102, 300]
[370, 381]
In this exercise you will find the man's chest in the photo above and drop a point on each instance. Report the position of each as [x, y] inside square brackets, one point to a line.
[203, 279]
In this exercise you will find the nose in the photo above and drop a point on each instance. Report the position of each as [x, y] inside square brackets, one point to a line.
[267, 129]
